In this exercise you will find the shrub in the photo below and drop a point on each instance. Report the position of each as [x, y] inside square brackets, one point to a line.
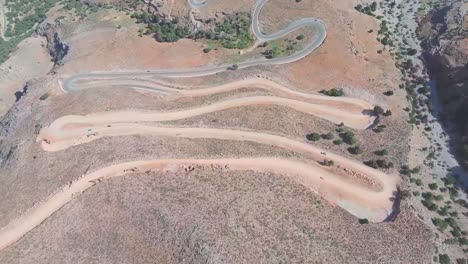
[389, 93]
[433, 186]
[333, 92]
[300, 37]
[328, 136]
[44, 97]
[463, 241]
[428, 196]
[455, 233]
[453, 214]
[363, 221]
[337, 142]
[387, 113]
[379, 164]
[405, 194]
[449, 180]
[313, 137]
[379, 129]
[382, 152]
[327, 163]
[441, 224]
[444, 259]
[418, 182]
[355, 150]
[443, 211]
[411, 52]
[430, 205]
[348, 138]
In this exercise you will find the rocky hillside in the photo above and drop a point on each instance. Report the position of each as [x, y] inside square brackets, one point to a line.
[444, 32]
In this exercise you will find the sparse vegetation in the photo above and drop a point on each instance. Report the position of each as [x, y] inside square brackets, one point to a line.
[161, 29]
[367, 9]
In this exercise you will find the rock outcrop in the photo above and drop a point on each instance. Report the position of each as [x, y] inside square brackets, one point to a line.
[444, 32]
[57, 49]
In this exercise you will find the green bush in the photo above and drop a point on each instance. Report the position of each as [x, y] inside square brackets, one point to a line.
[355, 150]
[443, 211]
[337, 142]
[433, 186]
[348, 138]
[363, 221]
[163, 31]
[378, 110]
[449, 180]
[430, 205]
[333, 92]
[313, 137]
[444, 259]
[328, 136]
[382, 152]
[441, 224]
[418, 182]
[44, 97]
[463, 241]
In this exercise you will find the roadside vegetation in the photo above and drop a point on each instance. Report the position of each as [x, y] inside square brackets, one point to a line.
[163, 30]
[282, 48]
[233, 32]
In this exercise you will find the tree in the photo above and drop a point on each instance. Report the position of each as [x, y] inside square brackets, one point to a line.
[378, 110]
[348, 138]
[444, 259]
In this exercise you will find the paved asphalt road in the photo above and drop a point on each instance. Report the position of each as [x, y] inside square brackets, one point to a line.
[318, 39]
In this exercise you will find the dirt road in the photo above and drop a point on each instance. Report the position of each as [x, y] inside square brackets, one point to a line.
[361, 190]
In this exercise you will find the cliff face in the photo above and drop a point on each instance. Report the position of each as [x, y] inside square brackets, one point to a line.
[444, 34]
[57, 49]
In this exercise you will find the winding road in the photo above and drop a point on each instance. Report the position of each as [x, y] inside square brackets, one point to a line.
[361, 190]
[319, 37]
